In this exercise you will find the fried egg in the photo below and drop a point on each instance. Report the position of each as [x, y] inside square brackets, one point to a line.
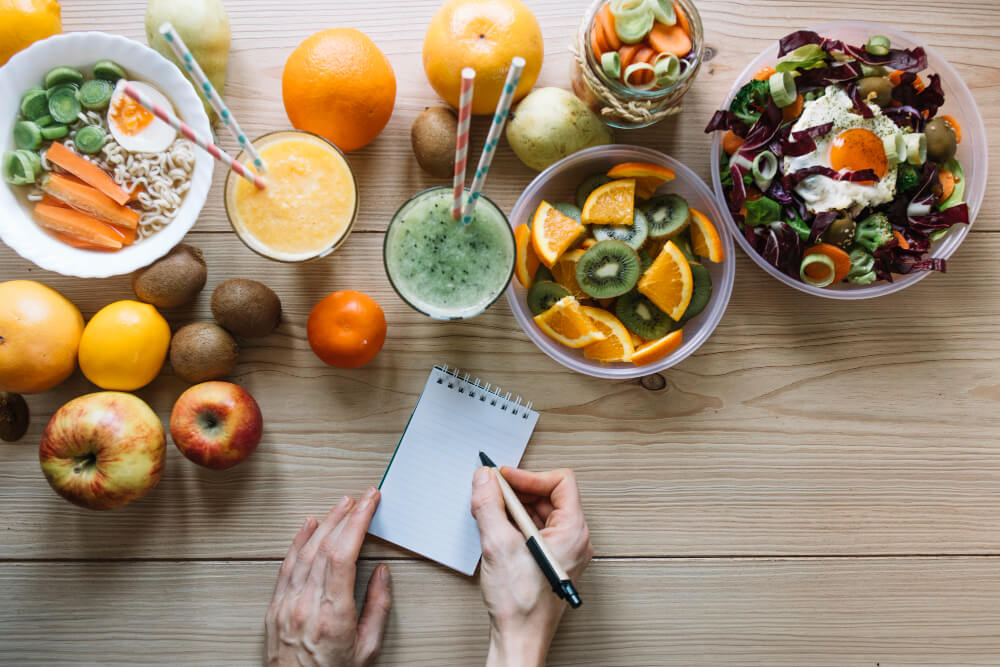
[136, 129]
[854, 144]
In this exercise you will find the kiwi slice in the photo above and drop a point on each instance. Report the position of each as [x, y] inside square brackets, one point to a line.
[683, 241]
[543, 273]
[634, 235]
[543, 295]
[642, 317]
[645, 260]
[608, 269]
[701, 294]
[667, 215]
[567, 209]
[588, 185]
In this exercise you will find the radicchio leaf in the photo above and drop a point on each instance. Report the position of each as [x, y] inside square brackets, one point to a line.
[820, 224]
[764, 129]
[860, 105]
[838, 73]
[932, 222]
[906, 116]
[723, 119]
[929, 99]
[801, 142]
[908, 60]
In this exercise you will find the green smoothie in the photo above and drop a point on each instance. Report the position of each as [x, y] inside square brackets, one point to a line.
[445, 269]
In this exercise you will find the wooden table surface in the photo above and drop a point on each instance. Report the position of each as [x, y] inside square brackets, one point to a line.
[818, 484]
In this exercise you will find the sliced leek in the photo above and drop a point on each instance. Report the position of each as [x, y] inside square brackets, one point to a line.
[817, 258]
[782, 85]
[611, 63]
[916, 148]
[763, 169]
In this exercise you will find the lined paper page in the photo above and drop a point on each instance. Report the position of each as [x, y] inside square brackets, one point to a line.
[427, 489]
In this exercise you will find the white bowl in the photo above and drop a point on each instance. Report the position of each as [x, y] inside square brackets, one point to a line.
[558, 183]
[972, 153]
[82, 49]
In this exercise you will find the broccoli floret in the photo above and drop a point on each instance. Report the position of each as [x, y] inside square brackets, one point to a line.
[862, 267]
[873, 232]
[750, 101]
[907, 177]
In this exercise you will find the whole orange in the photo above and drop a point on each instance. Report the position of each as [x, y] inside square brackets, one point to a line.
[39, 335]
[339, 85]
[24, 22]
[484, 35]
[346, 329]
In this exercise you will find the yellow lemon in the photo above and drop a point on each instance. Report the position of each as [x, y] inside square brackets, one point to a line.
[124, 345]
[24, 22]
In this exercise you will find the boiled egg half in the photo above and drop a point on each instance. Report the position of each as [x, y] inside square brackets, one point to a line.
[136, 129]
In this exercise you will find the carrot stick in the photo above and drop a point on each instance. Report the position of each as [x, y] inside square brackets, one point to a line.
[793, 110]
[841, 260]
[731, 142]
[669, 39]
[49, 200]
[953, 124]
[903, 243]
[597, 41]
[607, 22]
[78, 224]
[86, 171]
[682, 19]
[89, 200]
[764, 73]
[128, 234]
[947, 183]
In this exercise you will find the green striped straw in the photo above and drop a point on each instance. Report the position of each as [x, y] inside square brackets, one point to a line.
[209, 92]
[493, 137]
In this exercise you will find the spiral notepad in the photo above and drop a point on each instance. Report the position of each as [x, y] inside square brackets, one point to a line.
[427, 488]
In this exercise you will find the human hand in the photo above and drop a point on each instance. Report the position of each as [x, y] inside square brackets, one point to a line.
[524, 612]
[312, 619]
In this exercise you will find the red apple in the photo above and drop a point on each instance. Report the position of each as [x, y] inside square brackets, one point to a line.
[216, 424]
[103, 450]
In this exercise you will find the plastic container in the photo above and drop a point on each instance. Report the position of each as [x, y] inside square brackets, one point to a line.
[558, 183]
[619, 105]
[972, 153]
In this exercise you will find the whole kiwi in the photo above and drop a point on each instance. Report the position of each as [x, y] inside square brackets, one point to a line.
[203, 351]
[173, 280]
[246, 307]
[14, 416]
[433, 137]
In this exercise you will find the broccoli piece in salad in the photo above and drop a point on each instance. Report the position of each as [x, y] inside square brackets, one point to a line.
[873, 232]
[907, 177]
[862, 267]
[750, 101]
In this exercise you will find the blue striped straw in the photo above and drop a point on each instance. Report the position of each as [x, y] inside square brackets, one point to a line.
[209, 92]
[493, 137]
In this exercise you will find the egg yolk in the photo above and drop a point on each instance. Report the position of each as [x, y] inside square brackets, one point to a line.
[129, 116]
[857, 149]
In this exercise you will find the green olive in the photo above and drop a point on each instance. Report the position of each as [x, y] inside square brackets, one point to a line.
[941, 141]
[841, 232]
[879, 85]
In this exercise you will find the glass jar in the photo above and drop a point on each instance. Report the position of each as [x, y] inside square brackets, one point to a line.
[617, 104]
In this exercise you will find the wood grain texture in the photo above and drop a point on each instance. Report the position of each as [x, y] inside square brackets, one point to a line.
[861, 435]
[858, 611]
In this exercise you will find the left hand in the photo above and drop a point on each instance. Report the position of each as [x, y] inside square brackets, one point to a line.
[312, 619]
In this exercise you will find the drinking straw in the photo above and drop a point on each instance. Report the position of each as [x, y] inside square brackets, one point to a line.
[184, 129]
[462, 140]
[493, 137]
[210, 93]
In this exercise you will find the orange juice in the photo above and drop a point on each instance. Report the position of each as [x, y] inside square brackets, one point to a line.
[308, 206]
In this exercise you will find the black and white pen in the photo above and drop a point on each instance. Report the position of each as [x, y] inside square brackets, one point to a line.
[553, 571]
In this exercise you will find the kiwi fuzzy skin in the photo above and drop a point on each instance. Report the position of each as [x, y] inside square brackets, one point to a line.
[173, 280]
[246, 307]
[203, 351]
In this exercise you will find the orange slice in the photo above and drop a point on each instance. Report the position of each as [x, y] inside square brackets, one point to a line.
[657, 349]
[642, 170]
[564, 272]
[590, 243]
[611, 204]
[705, 239]
[668, 282]
[646, 187]
[527, 261]
[566, 323]
[636, 341]
[553, 233]
[618, 344]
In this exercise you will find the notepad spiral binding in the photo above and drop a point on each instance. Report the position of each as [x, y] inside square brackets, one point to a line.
[476, 389]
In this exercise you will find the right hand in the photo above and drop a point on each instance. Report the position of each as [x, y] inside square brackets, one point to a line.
[524, 612]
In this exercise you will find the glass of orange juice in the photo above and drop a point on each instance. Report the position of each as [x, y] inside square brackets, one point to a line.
[309, 205]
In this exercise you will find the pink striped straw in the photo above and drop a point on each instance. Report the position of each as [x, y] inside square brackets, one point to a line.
[462, 140]
[182, 127]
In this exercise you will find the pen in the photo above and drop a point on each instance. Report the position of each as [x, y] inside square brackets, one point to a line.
[553, 571]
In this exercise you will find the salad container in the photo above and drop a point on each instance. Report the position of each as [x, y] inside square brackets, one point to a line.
[972, 153]
[558, 183]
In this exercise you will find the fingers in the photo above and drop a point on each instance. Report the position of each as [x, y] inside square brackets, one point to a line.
[343, 545]
[374, 615]
[496, 532]
[285, 572]
[306, 555]
[543, 508]
[535, 518]
[558, 485]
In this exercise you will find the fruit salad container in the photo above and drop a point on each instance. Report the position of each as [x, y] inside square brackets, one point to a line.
[559, 183]
[972, 153]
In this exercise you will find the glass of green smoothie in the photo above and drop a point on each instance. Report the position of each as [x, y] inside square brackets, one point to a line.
[442, 268]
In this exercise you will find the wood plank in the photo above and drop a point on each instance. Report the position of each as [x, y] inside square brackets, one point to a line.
[803, 426]
[264, 34]
[888, 611]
